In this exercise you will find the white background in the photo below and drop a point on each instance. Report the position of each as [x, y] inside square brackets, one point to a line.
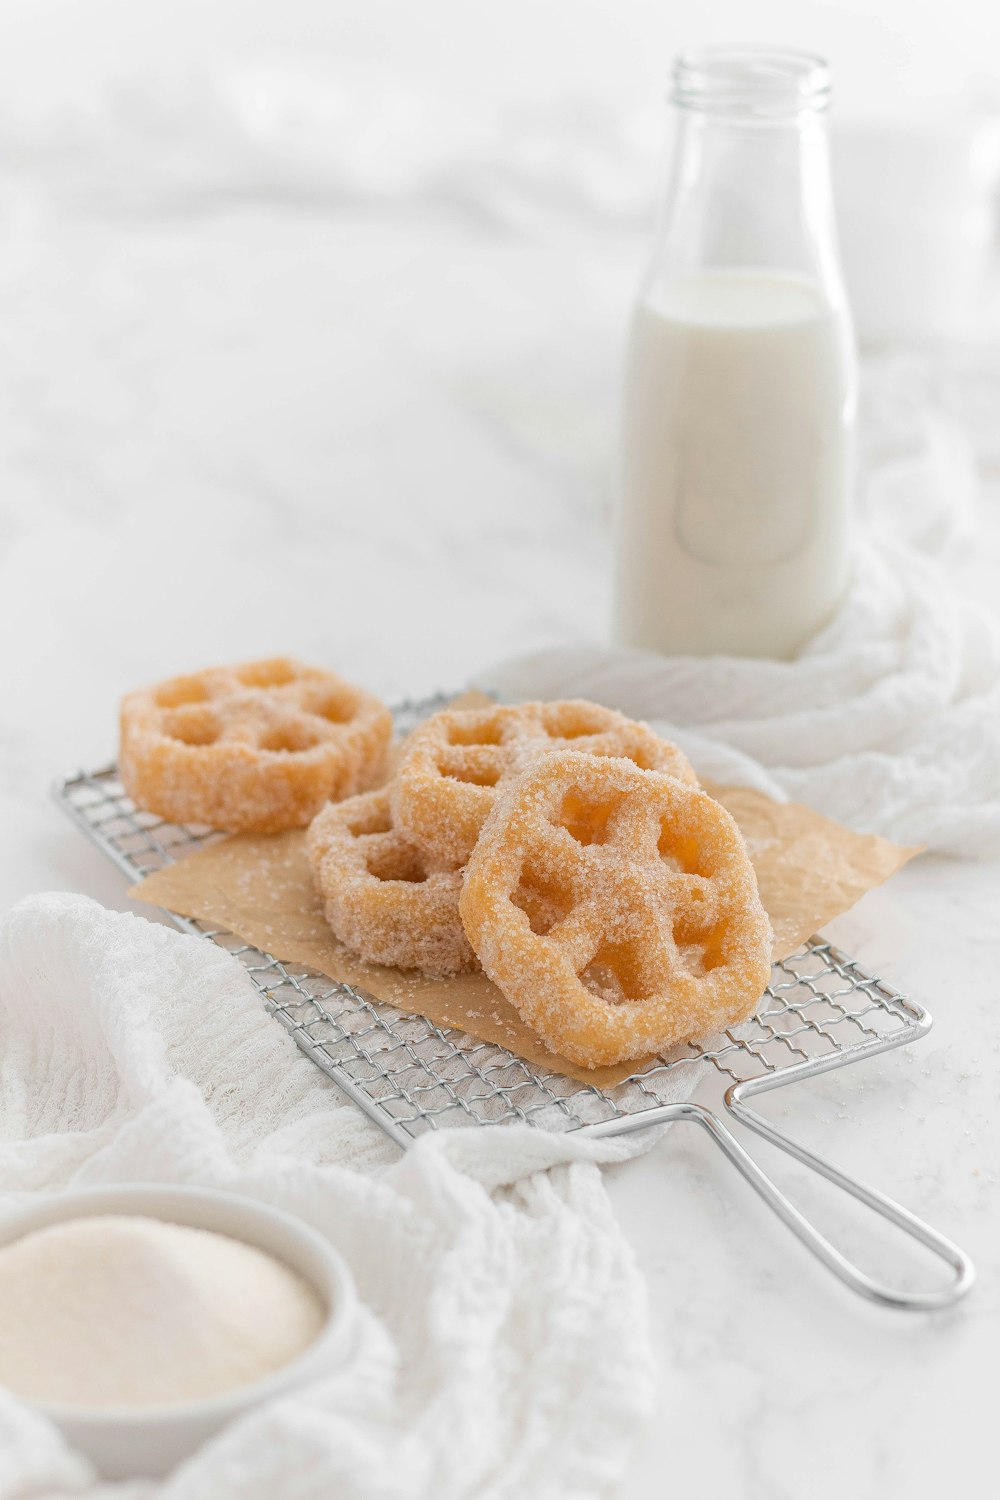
[249, 402]
[886, 52]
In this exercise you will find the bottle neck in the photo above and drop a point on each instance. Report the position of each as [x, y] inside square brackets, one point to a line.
[750, 190]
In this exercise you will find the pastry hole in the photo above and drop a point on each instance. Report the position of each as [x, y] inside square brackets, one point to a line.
[475, 775]
[395, 861]
[615, 973]
[683, 853]
[261, 674]
[587, 821]
[181, 690]
[639, 756]
[694, 960]
[289, 739]
[561, 725]
[334, 709]
[194, 727]
[477, 733]
[542, 907]
[697, 932]
[699, 952]
[641, 759]
[366, 824]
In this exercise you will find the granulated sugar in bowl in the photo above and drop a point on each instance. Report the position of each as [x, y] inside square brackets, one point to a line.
[143, 1319]
[130, 1311]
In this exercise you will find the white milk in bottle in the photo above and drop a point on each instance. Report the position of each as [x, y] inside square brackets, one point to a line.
[738, 411]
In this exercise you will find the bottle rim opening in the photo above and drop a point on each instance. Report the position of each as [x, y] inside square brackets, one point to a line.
[751, 81]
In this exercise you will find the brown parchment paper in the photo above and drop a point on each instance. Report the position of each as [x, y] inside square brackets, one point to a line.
[809, 870]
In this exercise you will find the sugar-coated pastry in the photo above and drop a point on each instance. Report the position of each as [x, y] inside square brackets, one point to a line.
[453, 764]
[381, 897]
[257, 748]
[616, 908]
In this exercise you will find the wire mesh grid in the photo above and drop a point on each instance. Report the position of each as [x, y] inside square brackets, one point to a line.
[412, 1076]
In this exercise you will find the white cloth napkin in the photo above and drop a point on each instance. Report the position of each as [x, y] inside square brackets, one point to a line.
[888, 720]
[504, 1348]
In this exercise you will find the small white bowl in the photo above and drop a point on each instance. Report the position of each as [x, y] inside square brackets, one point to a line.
[125, 1443]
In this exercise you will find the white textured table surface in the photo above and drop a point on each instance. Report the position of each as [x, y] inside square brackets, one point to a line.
[383, 444]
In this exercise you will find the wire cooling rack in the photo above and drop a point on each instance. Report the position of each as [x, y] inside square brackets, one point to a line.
[412, 1076]
[821, 1011]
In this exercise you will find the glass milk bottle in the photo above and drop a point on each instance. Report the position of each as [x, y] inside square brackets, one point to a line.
[739, 402]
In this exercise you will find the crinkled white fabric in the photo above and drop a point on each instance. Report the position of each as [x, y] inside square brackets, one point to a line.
[888, 720]
[504, 1349]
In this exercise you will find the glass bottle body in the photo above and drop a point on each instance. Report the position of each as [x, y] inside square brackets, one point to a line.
[733, 531]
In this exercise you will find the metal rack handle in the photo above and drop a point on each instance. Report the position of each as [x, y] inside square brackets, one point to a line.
[961, 1266]
[851, 1275]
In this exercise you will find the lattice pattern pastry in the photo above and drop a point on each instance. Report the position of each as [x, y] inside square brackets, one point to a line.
[452, 765]
[258, 747]
[616, 909]
[381, 896]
